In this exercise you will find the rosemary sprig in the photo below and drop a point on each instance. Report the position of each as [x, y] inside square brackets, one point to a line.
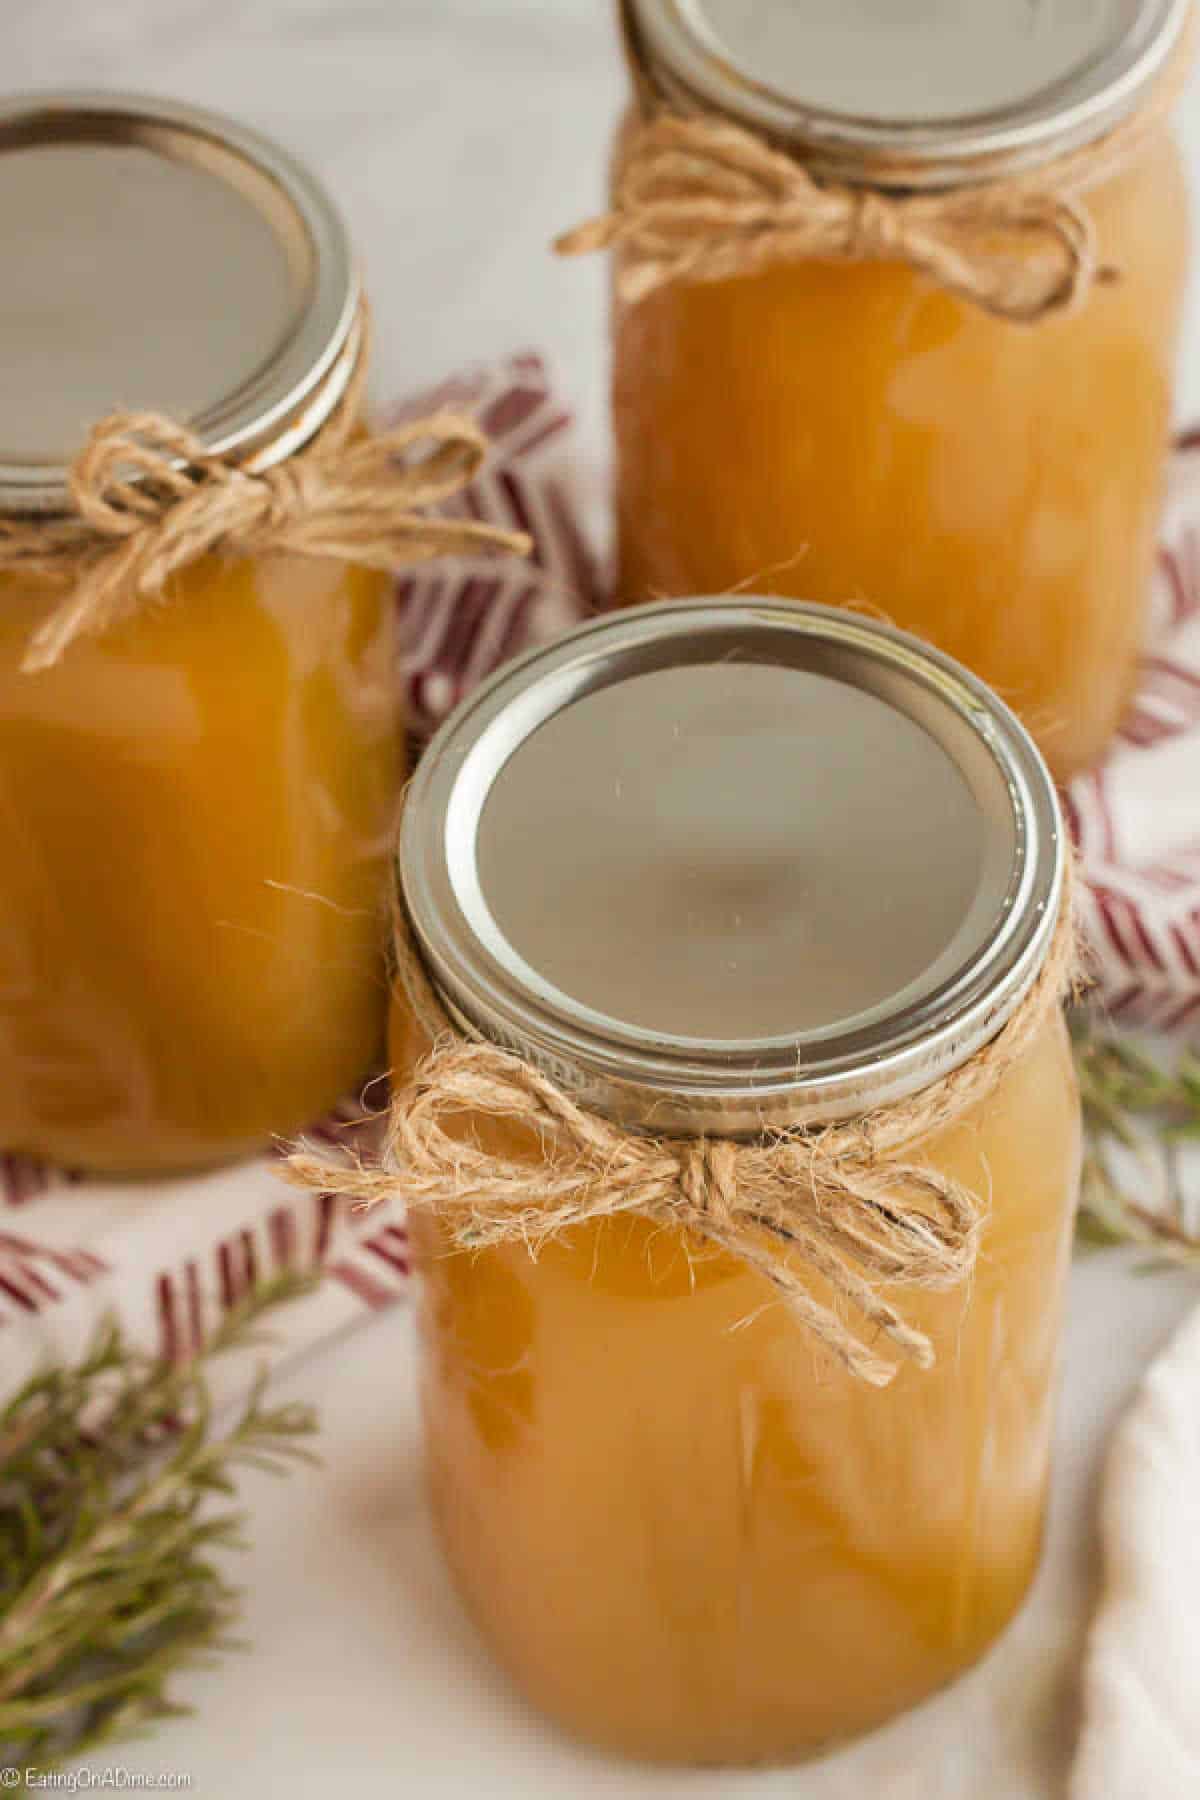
[1137, 1114]
[111, 1478]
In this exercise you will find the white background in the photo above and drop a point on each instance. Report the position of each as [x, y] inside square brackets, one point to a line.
[459, 136]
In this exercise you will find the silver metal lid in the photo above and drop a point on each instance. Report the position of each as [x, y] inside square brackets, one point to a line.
[163, 258]
[914, 89]
[721, 863]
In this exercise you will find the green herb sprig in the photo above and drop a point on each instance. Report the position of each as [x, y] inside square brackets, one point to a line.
[1137, 1115]
[112, 1483]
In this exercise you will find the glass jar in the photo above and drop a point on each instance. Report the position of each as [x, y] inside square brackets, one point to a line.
[852, 432]
[725, 868]
[194, 803]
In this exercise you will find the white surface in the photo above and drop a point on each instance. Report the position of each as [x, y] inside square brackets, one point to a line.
[459, 135]
[366, 1679]
[1143, 1664]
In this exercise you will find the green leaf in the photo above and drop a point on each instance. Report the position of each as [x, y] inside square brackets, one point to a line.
[109, 1469]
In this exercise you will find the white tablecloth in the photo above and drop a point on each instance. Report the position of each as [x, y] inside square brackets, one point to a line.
[366, 1679]
[459, 135]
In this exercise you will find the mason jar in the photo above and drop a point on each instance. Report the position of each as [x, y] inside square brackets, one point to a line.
[851, 429]
[734, 872]
[195, 802]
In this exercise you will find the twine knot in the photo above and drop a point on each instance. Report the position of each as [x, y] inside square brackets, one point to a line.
[874, 229]
[287, 492]
[708, 1179]
[146, 500]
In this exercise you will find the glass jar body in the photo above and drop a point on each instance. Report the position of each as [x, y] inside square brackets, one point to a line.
[196, 808]
[688, 1533]
[852, 433]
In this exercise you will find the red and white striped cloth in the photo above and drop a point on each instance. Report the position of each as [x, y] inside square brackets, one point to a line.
[1136, 818]
[169, 1257]
[461, 620]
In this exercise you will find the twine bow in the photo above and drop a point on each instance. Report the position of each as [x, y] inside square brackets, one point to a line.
[701, 199]
[844, 1203]
[147, 500]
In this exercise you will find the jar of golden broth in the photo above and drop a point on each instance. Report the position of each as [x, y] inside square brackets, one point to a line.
[906, 276]
[199, 753]
[742, 1175]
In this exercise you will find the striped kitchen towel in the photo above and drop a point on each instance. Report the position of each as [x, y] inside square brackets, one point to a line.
[171, 1257]
[1136, 818]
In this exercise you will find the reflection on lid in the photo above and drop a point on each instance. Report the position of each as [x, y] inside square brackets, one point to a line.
[733, 852]
[141, 282]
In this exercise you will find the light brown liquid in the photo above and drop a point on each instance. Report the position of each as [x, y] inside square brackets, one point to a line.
[853, 434]
[690, 1535]
[194, 818]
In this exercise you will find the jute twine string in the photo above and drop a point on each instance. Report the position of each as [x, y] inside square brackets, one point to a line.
[146, 500]
[699, 198]
[844, 1202]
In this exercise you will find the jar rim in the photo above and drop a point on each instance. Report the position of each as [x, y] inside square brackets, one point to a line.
[269, 375]
[690, 64]
[466, 869]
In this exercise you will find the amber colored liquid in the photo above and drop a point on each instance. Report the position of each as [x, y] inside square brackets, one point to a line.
[690, 1535]
[854, 435]
[194, 814]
